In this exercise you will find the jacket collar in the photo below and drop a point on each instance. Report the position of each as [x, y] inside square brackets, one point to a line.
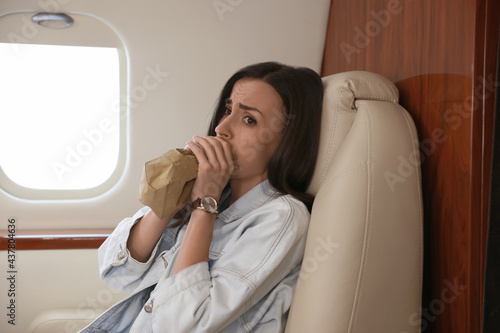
[256, 197]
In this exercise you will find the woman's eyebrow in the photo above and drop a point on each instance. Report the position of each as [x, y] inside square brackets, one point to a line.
[243, 106]
[249, 108]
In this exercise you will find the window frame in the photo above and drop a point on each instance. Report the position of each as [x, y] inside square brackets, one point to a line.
[47, 36]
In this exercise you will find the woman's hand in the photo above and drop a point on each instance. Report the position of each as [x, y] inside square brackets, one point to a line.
[216, 165]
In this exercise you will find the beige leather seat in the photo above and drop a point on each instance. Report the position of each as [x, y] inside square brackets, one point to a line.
[362, 270]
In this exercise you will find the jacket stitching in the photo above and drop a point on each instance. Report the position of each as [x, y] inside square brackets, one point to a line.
[246, 278]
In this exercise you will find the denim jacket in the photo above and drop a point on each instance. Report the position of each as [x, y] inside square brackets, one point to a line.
[246, 286]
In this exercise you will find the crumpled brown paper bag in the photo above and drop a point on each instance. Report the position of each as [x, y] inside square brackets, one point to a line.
[167, 181]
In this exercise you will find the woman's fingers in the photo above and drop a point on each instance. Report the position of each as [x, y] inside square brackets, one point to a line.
[197, 151]
[218, 152]
[223, 152]
[215, 164]
[213, 151]
[229, 154]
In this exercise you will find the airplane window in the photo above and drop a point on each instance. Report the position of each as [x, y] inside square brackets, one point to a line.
[59, 115]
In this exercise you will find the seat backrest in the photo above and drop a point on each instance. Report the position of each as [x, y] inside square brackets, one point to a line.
[362, 269]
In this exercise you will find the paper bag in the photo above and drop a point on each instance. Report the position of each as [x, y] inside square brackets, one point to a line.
[167, 181]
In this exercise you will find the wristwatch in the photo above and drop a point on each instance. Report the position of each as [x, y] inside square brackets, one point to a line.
[208, 204]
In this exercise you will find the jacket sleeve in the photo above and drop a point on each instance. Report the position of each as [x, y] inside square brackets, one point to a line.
[117, 267]
[263, 250]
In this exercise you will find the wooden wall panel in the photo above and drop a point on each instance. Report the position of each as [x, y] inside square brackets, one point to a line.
[442, 55]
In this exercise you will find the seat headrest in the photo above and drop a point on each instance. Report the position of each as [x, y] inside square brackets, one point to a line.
[339, 110]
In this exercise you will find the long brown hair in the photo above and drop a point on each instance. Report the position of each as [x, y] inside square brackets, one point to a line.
[291, 167]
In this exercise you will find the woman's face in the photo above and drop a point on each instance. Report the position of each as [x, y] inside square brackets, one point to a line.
[253, 124]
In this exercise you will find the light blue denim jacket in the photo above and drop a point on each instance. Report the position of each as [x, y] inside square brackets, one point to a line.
[246, 286]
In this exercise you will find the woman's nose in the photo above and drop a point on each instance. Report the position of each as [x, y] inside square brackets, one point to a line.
[223, 129]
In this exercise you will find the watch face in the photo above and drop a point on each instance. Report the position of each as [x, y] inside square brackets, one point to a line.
[209, 204]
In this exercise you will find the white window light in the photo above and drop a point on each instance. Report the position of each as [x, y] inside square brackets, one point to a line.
[59, 115]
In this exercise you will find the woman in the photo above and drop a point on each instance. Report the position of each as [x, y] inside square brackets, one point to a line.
[231, 264]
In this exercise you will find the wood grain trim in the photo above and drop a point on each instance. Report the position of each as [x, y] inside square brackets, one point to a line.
[485, 86]
[54, 239]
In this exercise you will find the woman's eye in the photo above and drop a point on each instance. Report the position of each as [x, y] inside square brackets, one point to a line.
[250, 121]
[227, 111]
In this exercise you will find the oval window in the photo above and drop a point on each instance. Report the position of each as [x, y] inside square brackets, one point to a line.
[61, 120]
